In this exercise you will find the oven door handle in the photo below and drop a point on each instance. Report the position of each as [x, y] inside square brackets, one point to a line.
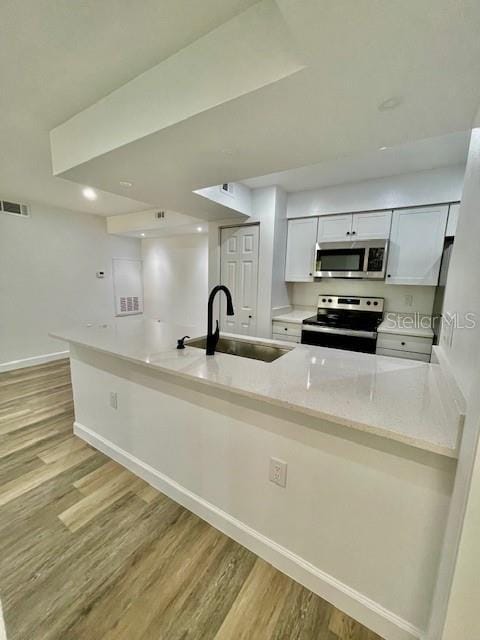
[340, 332]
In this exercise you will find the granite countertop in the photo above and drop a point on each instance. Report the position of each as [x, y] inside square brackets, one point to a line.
[407, 324]
[296, 315]
[402, 400]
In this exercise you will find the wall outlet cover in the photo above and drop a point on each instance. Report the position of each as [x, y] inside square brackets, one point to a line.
[113, 400]
[278, 472]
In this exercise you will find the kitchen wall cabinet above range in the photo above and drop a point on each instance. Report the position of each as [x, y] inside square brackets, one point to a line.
[301, 240]
[371, 225]
[416, 245]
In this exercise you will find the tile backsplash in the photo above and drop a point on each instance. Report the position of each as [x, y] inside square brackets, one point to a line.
[401, 298]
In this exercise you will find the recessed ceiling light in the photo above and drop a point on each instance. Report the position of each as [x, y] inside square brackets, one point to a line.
[126, 184]
[390, 103]
[383, 148]
[199, 229]
[143, 235]
[89, 193]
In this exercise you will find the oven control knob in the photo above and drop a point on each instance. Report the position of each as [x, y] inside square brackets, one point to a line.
[330, 300]
[375, 303]
[324, 299]
[368, 302]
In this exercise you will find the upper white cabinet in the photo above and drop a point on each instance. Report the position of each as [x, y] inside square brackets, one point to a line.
[371, 225]
[453, 212]
[334, 228]
[301, 239]
[416, 245]
[354, 226]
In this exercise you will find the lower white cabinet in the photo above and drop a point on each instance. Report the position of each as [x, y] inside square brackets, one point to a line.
[416, 245]
[288, 331]
[407, 355]
[301, 241]
[404, 346]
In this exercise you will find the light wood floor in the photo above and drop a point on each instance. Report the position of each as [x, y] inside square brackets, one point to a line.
[90, 552]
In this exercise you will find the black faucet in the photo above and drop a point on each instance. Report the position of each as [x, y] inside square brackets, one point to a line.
[212, 338]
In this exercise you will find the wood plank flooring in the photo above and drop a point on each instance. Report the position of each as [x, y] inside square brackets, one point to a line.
[90, 552]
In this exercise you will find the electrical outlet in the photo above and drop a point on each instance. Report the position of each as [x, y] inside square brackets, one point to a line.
[278, 472]
[409, 300]
[113, 400]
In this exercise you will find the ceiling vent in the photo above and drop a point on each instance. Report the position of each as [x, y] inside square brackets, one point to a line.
[14, 208]
[227, 189]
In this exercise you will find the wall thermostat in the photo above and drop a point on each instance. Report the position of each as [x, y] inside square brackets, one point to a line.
[100, 274]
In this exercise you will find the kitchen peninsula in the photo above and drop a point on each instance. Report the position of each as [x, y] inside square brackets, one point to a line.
[370, 443]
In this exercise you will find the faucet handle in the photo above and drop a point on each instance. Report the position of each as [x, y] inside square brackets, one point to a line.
[180, 342]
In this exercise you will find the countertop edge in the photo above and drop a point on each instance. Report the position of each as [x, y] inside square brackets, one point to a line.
[421, 444]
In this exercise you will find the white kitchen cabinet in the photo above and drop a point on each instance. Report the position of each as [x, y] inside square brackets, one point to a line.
[416, 245]
[301, 240]
[288, 331]
[334, 228]
[371, 225]
[453, 212]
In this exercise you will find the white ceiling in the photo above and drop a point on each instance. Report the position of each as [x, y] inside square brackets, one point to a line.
[420, 155]
[56, 58]
[355, 55]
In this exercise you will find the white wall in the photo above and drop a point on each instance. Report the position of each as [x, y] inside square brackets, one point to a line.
[268, 208]
[462, 295]
[306, 294]
[406, 190]
[47, 277]
[176, 278]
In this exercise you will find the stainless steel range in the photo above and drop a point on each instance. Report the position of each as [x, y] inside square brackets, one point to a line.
[344, 322]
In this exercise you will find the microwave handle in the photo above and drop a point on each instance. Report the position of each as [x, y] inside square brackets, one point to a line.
[365, 260]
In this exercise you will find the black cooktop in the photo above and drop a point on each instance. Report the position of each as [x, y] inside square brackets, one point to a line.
[346, 319]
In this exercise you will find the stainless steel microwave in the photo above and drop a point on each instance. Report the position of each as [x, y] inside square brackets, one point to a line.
[360, 259]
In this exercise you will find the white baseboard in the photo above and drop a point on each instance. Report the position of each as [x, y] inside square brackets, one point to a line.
[34, 360]
[366, 611]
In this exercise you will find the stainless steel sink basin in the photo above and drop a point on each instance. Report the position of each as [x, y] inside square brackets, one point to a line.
[243, 348]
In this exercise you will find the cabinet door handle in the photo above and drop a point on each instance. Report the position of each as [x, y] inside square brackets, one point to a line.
[389, 275]
[353, 233]
[348, 233]
[403, 344]
[310, 274]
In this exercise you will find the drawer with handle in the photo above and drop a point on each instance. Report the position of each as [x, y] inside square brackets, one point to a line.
[287, 329]
[400, 342]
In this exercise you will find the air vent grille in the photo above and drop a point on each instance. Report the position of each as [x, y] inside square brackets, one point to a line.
[14, 208]
[159, 215]
[227, 188]
[129, 304]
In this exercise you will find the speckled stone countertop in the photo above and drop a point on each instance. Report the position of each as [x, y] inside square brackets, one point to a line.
[296, 315]
[403, 400]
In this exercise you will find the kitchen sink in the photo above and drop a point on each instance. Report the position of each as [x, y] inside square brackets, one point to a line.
[243, 348]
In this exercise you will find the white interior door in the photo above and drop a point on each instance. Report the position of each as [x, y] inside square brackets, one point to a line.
[239, 272]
